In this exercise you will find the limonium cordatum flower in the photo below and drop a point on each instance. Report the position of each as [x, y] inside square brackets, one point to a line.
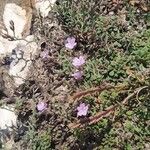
[78, 75]
[44, 54]
[82, 109]
[41, 106]
[70, 42]
[78, 62]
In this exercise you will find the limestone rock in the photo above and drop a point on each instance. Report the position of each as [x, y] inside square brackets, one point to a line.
[14, 18]
[6, 46]
[44, 6]
[8, 118]
[20, 66]
[25, 51]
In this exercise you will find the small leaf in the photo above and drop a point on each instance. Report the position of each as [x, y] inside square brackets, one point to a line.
[111, 73]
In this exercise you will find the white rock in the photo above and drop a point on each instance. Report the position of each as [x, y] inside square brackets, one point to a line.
[6, 46]
[44, 6]
[15, 13]
[8, 118]
[20, 71]
[28, 47]
[2, 49]
[111, 13]
[19, 68]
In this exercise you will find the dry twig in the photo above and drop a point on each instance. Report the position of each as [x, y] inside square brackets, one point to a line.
[90, 91]
[105, 113]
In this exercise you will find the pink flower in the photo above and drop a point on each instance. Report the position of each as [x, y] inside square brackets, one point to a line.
[41, 106]
[78, 62]
[78, 75]
[70, 42]
[82, 109]
[44, 54]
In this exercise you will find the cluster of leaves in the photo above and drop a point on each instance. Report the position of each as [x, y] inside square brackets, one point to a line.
[38, 140]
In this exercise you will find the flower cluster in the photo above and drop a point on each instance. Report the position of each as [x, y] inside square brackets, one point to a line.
[77, 62]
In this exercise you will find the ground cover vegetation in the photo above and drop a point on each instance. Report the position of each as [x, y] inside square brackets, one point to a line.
[90, 84]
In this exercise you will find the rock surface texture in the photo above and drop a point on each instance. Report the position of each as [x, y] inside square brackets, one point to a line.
[44, 6]
[17, 44]
[8, 118]
[14, 19]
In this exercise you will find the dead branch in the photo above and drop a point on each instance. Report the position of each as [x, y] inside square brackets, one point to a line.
[100, 88]
[100, 115]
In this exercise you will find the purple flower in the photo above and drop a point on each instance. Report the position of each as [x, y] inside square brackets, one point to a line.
[70, 42]
[82, 109]
[78, 62]
[41, 106]
[44, 54]
[78, 75]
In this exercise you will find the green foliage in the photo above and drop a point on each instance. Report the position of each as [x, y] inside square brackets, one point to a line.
[116, 53]
[92, 72]
[119, 56]
[141, 49]
[37, 139]
[65, 62]
[83, 20]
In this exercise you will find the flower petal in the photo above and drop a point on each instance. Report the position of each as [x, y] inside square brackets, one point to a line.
[70, 43]
[41, 106]
[77, 75]
[82, 109]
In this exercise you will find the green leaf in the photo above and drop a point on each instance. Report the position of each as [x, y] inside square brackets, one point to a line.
[111, 73]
